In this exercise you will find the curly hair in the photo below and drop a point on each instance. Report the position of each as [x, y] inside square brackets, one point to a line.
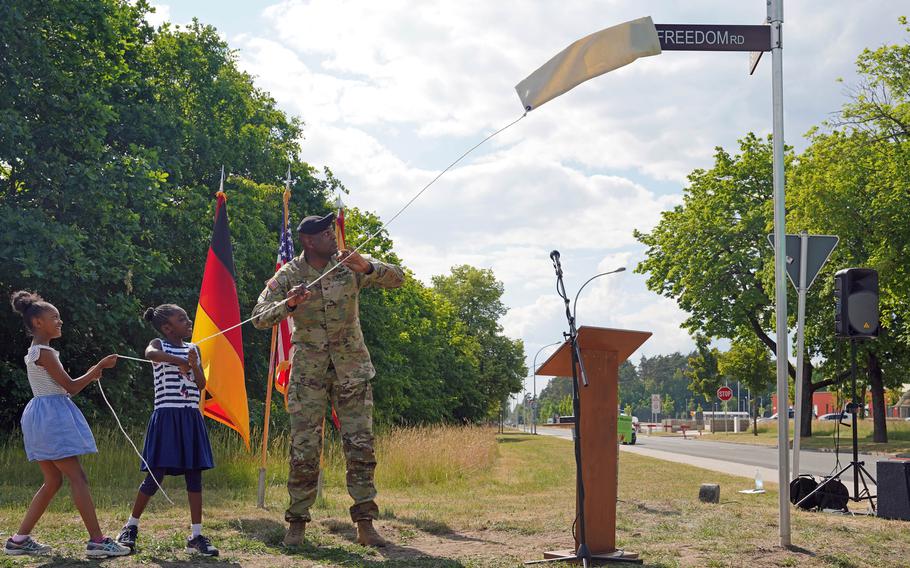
[30, 305]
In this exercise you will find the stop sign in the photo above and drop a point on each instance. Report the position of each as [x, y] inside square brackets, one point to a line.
[725, 393]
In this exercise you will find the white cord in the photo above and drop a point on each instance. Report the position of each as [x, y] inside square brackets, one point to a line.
[119, 356]
[419, 193]
[128, 439]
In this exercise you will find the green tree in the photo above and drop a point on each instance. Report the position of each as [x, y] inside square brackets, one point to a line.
[632, 391]
[668, 406]
[565, 407]
[426, 362]
[112, 135]
[748, 362]
[556, 398]
[663, 374]
[477, 297]
[844, 185]
[556, 389]
[711, 255]
[852, 181]
[702, 371]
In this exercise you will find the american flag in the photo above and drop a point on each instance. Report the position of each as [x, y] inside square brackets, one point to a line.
[283, 344]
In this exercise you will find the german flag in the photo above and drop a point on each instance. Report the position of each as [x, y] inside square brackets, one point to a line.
[224, 398]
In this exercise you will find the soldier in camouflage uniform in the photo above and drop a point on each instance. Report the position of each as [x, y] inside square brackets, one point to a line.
[330, 362]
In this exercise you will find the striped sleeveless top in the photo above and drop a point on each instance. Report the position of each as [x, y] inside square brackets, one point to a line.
[172, 389]
[38, 378]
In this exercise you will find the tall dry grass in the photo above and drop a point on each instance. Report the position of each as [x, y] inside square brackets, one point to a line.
[406, 457]
[417, 456]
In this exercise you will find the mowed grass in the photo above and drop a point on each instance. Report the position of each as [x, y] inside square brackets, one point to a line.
[449, 497]
[824, 435]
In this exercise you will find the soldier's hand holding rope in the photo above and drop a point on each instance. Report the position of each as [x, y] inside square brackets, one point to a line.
[297, 295]
[353, 260]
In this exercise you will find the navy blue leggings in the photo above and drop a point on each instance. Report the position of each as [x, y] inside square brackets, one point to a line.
[193, 479]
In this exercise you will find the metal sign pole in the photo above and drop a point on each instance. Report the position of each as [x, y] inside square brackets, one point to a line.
[776, 18]
[800, 346]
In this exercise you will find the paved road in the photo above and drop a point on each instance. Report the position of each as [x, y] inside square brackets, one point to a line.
[735, 459]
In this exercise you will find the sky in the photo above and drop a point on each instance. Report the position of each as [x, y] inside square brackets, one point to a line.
[392, 92]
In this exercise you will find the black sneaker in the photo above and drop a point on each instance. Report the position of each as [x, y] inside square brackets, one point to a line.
[27, 547]
[200, 545]
[128, 536]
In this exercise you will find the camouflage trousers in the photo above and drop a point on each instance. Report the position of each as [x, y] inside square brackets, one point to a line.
[309, 391]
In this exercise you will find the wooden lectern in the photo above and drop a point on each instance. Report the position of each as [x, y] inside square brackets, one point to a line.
[602, 352]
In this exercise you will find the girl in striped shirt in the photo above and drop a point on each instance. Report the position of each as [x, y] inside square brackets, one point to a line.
[176, 441]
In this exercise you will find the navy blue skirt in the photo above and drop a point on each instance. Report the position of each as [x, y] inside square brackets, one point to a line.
[176, 440]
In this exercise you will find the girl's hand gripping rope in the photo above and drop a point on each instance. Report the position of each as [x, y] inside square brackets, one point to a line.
[105, 363]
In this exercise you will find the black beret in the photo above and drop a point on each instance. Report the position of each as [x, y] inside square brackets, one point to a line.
[314, 224]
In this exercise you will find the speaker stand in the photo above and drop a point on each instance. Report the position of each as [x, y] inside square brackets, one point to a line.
[859, 471]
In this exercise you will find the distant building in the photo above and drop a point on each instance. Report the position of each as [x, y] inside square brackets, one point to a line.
[827, 402]
[903, 405]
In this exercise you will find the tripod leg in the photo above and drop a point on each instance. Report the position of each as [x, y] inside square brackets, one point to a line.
[869, 475]
[821, 485]
[862, 474]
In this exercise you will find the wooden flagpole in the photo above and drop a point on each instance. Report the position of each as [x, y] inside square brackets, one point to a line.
[286, 197]
[265, 422]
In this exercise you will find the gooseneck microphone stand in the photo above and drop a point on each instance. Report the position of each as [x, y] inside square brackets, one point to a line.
[582, 553]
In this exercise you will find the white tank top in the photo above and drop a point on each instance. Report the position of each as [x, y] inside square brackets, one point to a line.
[38, 378]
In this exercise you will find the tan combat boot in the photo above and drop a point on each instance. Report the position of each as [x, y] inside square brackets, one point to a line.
[294, 536]
[367, 535]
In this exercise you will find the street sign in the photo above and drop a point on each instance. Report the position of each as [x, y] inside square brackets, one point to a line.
[725, 393]
[655, 403]
[709, 37]
[820, 248]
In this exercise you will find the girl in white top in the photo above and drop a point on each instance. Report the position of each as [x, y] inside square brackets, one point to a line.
[54, 431]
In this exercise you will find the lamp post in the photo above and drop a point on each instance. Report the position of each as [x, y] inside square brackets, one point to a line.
[575, 306]
[575, 303]
[534, 398]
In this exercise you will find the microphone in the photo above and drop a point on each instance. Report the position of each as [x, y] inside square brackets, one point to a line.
[554, 256]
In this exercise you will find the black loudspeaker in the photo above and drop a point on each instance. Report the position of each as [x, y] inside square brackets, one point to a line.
[833, 496]
[856, 314]
[893, 489]
[802, 486]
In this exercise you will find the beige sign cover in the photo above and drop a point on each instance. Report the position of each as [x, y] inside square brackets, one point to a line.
[589, 57]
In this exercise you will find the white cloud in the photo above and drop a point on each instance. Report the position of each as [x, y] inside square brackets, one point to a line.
[392, 92]
[162, 14]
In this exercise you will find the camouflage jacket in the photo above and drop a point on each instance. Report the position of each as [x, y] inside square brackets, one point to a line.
[327, 325]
